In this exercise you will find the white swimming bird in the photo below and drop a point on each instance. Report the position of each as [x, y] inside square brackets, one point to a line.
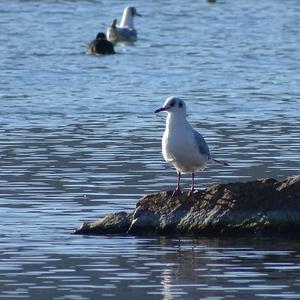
[183, 146]
[124, 32]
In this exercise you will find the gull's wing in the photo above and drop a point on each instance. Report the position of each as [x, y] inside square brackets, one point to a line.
[127, 33]
[202, 146]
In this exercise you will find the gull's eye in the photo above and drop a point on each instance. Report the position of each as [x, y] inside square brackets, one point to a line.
[172, 103]
[180, 104]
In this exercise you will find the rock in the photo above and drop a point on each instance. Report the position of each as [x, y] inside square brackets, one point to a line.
[112, 223]
[264, 206]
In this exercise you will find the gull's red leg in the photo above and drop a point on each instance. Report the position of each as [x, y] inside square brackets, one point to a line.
[177, 190]
[192, 190]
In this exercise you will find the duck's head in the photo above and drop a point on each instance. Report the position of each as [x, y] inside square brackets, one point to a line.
[101, 36]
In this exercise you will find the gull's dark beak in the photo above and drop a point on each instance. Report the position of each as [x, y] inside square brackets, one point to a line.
[137, 14]
[160, 109]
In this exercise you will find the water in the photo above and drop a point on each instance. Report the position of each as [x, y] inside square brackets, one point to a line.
[79, 140]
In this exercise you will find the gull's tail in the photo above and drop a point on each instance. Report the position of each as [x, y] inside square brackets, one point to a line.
[221, 162]
[114, 23]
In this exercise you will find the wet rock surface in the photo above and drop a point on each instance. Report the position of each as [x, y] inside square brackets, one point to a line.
[261, 206]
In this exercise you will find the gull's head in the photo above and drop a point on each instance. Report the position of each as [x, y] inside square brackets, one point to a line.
[173, 105]
[131, 11]
[128, 16]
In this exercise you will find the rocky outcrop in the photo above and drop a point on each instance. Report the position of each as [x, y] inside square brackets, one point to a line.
[260, 206]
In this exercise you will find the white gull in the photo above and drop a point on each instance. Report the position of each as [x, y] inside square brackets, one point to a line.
[183, 146]
[124, 32]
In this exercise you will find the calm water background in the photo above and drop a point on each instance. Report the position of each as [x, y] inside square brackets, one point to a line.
[79, 140]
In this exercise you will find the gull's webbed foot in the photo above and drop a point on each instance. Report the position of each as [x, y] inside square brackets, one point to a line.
[177, 192]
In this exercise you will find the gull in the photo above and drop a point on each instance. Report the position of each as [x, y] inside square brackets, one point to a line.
[182, 145]
[124, 32]
[100, 45]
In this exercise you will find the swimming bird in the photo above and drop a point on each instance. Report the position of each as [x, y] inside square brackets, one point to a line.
[183, 146]
[100, 45]
[124, 32]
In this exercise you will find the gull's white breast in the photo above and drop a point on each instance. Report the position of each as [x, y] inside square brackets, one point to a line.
[179, 147]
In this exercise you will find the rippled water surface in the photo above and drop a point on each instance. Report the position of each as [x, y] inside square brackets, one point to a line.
[79, 140]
